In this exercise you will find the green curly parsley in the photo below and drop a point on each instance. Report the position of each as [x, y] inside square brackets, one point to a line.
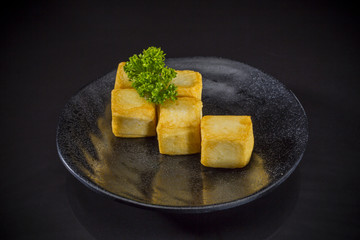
[150, 77]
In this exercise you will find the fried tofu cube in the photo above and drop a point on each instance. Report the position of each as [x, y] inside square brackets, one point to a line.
[189, 83]
[178, 127]
[121, 79]
[132, 115]
[227, 141]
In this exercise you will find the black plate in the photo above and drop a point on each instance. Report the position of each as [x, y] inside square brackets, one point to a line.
[133, 171]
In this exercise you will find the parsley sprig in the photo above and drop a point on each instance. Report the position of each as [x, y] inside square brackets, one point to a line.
[150, 77]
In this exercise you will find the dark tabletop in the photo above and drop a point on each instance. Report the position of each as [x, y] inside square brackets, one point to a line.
[50, 50]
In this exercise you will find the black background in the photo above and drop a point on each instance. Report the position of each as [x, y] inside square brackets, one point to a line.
[50, 50]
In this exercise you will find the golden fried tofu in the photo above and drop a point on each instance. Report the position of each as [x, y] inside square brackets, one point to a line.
[178, 127]
[189, 83]
[121, 80]
[132, 115]
[227, 141]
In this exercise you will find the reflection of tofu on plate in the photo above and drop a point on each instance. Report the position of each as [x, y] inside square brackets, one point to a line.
[132, 115]
[227, 141]
[178, 128]
[172, 183]
[215, 190]
[121, 79]
[189, 83]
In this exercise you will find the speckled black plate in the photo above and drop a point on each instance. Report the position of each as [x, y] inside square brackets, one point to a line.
[133, 171]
